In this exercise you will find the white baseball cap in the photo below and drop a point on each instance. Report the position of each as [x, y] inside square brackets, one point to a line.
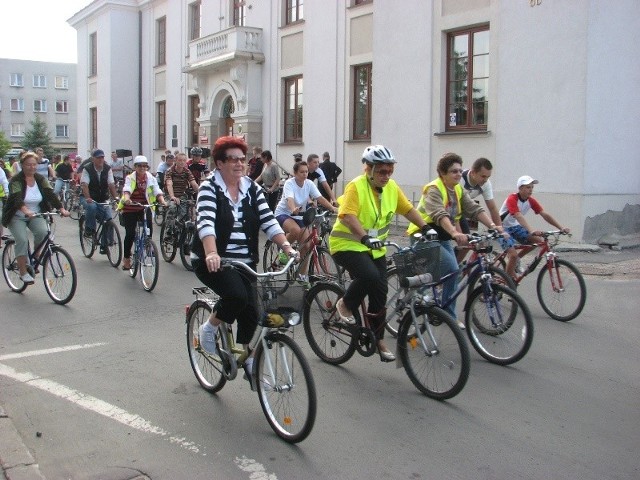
[526, 180]
[140, 159]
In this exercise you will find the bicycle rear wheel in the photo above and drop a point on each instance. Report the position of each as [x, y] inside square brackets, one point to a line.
[87, 245]
[499, 324]
[561, 290]
[207, 369]
[185, 246]
[286, 388]
[440, 371]
[149, 265]
[10, 267]
[394, 295]
[114, 242]
[59, 275]
[328, 337]
[271, 263]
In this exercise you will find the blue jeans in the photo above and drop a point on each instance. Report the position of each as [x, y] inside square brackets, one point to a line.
[448, 264]
[93, 211]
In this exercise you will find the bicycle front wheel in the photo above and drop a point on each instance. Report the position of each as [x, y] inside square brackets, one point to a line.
[168, 241]
[561, 290]
[185, 247]
[59, 275]
[286, 388]
[271, 263]
[114, 243]
[87, 244]
[149, 265]
[323, 267]
[499, 324]
[159, 215]
[10, 268]
[328, 337]
[207, 369]
[435, 355]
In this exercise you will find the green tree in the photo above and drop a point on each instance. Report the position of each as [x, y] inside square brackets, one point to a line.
[38, 136]
[5, 145]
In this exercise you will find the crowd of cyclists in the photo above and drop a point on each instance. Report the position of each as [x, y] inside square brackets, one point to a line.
[238, 197]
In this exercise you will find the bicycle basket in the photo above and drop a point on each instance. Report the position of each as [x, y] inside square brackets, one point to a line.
[424, 259]
[279, 302]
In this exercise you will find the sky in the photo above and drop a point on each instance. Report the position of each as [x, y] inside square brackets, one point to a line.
[49, 39]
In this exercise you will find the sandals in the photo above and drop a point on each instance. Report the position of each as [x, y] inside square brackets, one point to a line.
[125, 265]
[348, 319]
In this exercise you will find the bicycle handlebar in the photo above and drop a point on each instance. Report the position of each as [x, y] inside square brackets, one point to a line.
[227, 263]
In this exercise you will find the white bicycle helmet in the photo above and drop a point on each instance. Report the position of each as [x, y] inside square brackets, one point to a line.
[377, 154]
[140, 159]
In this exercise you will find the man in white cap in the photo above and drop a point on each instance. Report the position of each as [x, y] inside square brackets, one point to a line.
[512, 213]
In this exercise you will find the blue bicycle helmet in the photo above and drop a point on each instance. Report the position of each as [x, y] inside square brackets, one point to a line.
[377, 154]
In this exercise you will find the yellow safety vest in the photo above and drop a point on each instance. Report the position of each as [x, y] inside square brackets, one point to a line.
[151, 196]
[413, 228]
[341, 239]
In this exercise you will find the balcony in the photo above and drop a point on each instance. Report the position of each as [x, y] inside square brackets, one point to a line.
[225, 49]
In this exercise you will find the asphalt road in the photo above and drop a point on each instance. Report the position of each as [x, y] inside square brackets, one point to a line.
[103, 388]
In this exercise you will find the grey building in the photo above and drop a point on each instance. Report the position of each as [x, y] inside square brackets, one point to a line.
[47, 89]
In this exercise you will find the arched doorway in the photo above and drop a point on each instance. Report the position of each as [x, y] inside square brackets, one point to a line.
[227, 109]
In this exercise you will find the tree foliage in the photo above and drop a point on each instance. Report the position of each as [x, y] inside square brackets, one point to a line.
[38, 136]
[5, 145]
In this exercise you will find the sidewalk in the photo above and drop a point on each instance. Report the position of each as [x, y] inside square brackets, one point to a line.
[16, 461]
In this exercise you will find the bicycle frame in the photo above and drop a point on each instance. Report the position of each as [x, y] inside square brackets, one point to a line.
[544, 250]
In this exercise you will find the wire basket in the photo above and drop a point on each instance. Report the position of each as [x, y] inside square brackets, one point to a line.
[279, 302]
[424, 258]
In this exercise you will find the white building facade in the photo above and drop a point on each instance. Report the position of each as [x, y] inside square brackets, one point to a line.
[540, 87]
[44, 89]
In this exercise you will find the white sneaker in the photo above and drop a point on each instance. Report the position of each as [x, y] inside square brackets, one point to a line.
[207, 336]
[27, 279]
[461, 325]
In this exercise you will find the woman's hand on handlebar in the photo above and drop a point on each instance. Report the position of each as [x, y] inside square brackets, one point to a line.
[213, 261]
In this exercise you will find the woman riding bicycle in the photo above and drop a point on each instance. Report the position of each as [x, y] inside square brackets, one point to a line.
[231, 210]
[29, 194]
[139, 187]
[356, 242]
[297, 192]
[442, 204]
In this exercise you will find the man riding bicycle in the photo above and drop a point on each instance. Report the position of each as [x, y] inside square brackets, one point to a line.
[177, 180]
[97, 184]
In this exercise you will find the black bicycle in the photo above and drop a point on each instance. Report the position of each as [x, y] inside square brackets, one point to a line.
[177, 230]
[58, 270]
[107, 236]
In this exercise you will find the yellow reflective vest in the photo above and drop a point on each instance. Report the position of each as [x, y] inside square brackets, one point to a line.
[151, 196]
[370, 216]
[413, 228]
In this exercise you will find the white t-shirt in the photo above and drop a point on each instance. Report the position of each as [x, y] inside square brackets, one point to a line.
[474, 191]
[299, 194]
[43, 168]
[32, 199]
[84, 178]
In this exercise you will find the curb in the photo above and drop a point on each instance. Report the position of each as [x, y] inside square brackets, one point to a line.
[16, 461]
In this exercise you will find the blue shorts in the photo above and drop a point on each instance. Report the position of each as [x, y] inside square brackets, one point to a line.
[518, 234]
[281, 219]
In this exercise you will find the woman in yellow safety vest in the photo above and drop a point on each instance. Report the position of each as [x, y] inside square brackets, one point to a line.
[140, 187]
[356, 242]
[441, 206]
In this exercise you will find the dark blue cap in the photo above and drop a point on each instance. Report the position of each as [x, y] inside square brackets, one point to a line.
[97, 153]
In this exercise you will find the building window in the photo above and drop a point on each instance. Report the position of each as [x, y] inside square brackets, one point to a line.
[293, 109]
[62, 106]
[62, 130]
[294, 11]
[239, 13]
[161, 28]
[93, 54]
[39, 81]
[194, 113]
[362, 101]
[93, 125]
[194, 20]
[161, 124]
[468, 79]
[361, 2]
[16, 80]
[62, 82]
[17, 105]
[40, 106]
[17, 129]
